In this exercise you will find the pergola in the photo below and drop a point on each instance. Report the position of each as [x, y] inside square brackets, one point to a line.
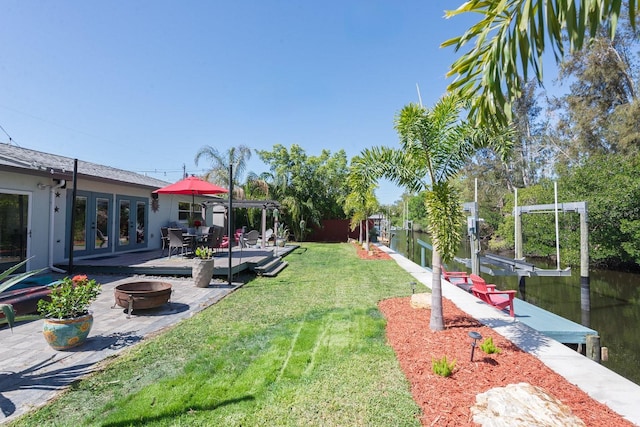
[265, 205]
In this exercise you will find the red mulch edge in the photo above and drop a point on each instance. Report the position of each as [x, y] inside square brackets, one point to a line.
[447, 401]
[373, 254]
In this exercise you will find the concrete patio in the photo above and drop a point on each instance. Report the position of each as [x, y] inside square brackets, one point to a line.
[32, 373]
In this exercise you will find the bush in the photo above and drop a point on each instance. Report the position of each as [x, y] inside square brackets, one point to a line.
[442, 367]
[488, 347]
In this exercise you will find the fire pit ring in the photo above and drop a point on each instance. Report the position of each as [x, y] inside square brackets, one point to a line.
[141, 295]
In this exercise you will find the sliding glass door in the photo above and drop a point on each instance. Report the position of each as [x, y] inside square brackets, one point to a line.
[15, 232]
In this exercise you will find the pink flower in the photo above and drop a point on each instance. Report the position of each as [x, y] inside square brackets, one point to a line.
[79, 278]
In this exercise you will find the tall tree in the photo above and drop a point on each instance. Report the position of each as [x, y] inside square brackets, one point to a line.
[595, 113]
[219, 170]
[510, 39]
[435, 145]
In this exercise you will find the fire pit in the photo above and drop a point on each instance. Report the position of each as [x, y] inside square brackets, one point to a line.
[141, 295]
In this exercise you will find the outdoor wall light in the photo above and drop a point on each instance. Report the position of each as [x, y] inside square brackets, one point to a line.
[475, 336]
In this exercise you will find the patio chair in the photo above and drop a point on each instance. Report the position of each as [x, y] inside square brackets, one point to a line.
[178, 241]
[250, 239]
[164, 235]
[488, 294]
[268, 235]
[214, 238]
[459, 278]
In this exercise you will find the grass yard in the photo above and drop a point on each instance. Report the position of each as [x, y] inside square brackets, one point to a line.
[304, 348]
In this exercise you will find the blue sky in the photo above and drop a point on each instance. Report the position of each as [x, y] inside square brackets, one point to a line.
[143, 84]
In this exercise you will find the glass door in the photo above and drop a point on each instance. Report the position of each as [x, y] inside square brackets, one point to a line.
[133, 216]
[15, 234]
[91, 227]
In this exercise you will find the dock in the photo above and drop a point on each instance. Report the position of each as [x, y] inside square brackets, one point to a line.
[550, 324]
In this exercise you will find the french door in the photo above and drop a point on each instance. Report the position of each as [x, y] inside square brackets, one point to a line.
[132, 222]
[103, 226]
[92, 223]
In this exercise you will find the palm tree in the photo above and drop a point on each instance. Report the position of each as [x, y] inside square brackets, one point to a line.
[219, 171]
[361, 202]
[512, 36]
[435, 146]
[254, 188]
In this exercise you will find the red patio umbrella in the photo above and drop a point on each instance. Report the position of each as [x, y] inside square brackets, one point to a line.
[192, 185]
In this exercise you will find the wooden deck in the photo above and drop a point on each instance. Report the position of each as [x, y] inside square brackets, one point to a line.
[154, 263]
[550, 324]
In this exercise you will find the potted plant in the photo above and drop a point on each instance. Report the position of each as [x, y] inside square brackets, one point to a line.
[203, 264]
[283, 236]
[67, 319]
[191, 227]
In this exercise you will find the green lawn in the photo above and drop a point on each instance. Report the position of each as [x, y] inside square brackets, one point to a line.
[304, 348]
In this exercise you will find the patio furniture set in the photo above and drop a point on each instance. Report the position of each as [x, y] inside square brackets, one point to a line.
[181, 242]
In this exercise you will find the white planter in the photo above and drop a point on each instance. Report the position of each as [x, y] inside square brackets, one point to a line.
[202, 272]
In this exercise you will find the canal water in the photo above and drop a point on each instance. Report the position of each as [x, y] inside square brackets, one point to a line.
[615, 302]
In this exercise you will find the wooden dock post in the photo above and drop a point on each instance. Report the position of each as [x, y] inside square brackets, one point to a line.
[585, 288]
[522, 287]
[593, 347]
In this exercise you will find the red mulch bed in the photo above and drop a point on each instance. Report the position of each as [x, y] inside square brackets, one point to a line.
[447, 401]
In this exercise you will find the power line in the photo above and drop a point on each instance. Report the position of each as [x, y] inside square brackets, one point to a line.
[9, 136]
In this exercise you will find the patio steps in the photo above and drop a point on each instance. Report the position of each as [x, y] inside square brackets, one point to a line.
[271, 268]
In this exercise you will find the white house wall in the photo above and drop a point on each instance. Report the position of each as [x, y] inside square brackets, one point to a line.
[39, 190]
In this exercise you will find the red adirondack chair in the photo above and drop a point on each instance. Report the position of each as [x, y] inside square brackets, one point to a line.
[458, 278]
[488, 294]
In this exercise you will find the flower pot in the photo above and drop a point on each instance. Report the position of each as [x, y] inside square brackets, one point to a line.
[202, 272]
[63, 334]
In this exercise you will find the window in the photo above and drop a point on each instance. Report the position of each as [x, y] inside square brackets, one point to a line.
[184, 213]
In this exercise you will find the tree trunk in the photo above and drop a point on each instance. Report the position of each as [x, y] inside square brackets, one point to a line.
[366, 246]
[437, 321]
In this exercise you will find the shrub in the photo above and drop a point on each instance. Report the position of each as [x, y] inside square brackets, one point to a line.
[488, 347]
[443, 367]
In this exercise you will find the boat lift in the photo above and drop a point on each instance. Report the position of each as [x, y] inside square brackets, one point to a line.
[517, 266]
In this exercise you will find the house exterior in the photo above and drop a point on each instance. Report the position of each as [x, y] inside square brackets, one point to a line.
[115, 210]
